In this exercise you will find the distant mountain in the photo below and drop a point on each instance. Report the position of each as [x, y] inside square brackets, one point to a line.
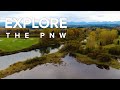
[106, 24]
[86, 23]
[2, 24]
[79, 24]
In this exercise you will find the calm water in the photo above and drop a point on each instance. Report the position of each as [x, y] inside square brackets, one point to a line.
[7, 60]
[69, 69]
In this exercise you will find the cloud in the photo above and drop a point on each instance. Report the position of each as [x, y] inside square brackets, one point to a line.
[74, 16]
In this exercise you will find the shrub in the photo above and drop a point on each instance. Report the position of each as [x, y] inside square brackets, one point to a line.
[104, 57]
[115, 50]
[31, 61]
[83, 51]
[93, 54]
[71, 46]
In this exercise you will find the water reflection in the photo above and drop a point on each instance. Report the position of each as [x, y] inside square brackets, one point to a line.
[103, 67]
[46, 50]
[97, 65]
[7, 60]
[69, 69]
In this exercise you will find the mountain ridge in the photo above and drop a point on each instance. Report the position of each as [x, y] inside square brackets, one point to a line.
[80, 24]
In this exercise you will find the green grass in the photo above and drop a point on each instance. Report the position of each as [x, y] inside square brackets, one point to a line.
[13, 44]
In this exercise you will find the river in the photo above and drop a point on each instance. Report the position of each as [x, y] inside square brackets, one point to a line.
[7, 60]
[69, 69]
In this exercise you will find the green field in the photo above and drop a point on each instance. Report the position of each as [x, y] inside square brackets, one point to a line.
[13, 44]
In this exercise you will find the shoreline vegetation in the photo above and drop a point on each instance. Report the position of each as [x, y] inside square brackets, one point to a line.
[7, 47]
[87, 60]
[54, 58]
[12, 45]
[88, 46]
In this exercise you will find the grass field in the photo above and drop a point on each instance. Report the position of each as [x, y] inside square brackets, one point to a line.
[13, 44]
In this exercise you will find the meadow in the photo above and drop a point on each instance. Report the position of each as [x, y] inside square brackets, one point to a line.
[13, 44]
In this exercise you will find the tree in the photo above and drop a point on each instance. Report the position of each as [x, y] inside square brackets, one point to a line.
[114, 34]
[107, 36]
[91, 40]
[70, 34]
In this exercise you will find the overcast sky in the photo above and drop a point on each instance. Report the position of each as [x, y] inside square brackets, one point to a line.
[74, 16]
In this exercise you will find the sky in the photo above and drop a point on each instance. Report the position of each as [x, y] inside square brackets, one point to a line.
[72, 16]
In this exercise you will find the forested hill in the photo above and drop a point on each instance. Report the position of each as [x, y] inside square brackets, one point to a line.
[115, 24]
[94, 24]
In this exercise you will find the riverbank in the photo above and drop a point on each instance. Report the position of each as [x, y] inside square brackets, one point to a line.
[87, 60]
[54, 58]
[12, 45]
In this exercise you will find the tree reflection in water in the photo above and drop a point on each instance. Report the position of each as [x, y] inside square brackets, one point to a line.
[46, 50]
[103, 67]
